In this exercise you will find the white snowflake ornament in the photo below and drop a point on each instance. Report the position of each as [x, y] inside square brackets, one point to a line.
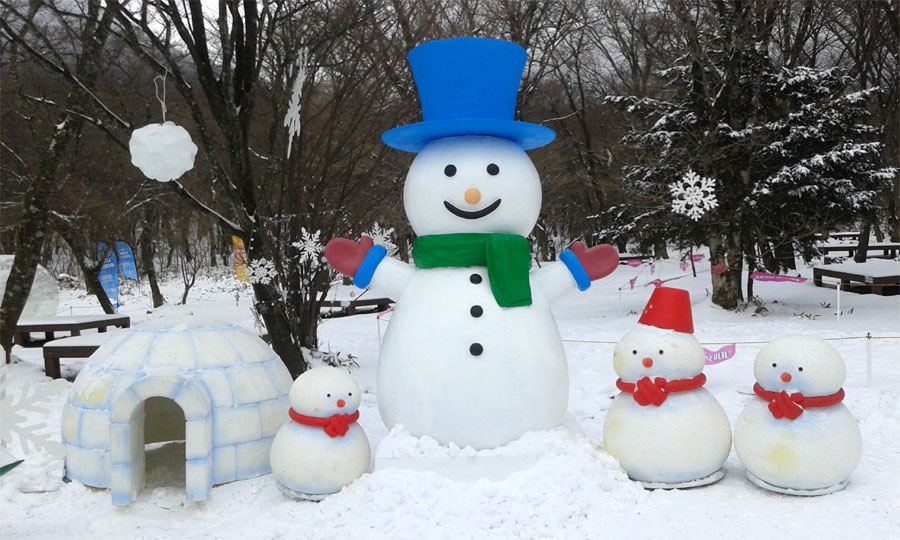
[261, 271]
[382, 237]
[310, 246]
[162, 152]
[693, 195]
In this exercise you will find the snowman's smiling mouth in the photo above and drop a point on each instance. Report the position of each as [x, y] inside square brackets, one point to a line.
[472, 215]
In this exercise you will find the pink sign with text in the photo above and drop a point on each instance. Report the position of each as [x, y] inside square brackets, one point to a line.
[762, 276]
[715, 357]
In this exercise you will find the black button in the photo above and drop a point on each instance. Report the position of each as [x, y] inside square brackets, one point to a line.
[476, 311]
[476, 349]
[475, 278]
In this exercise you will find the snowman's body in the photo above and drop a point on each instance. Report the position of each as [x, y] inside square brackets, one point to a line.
[687, 438]
[307, 462]
[817, 450]
[455, 365]
[429, 380]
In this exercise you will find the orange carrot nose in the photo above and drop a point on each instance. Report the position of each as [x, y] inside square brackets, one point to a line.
[472, 196]
[341, 403]
[786, 377]
[647, 361]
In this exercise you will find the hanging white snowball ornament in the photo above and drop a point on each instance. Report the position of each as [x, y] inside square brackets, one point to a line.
[162, 152]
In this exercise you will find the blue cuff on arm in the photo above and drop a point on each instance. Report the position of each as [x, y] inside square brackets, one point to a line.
[366, 270]
[574, 265]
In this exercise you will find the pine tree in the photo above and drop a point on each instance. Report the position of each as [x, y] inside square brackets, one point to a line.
[787, 147]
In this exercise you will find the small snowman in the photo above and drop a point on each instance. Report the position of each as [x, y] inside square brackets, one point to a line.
[664, 428]
[321, 448]
[472, 354]
[798, 438]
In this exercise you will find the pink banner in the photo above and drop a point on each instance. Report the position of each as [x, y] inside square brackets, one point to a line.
[697, 258]
[632, 282]
[715, 357]
[655, 283]
[683, 266]
[634, 263]
[762, 276]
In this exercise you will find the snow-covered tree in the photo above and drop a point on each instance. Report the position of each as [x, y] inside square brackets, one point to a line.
[787, 146]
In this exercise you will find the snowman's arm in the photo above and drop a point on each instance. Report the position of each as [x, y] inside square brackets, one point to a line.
[559, 279]
[387, 275]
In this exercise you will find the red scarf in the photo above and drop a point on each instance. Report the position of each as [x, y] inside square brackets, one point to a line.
[790, 406]
[655, 391]
[335, 426]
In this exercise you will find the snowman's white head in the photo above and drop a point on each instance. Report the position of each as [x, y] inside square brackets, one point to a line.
[472, 184]
[654, 352]
[323, 392]
[804, 364]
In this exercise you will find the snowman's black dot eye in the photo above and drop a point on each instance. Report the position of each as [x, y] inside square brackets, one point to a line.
[799, 369]
[349, 393]
[660, 351]
[327, 395]
[493, 169]
[450, 170]
[634, 351]
[774, 364]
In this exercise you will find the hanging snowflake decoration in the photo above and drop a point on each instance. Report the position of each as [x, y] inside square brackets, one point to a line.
[15, 421]
[261, 271]
[292, 116]
[382, 237]
[693, 195]
[310, 247]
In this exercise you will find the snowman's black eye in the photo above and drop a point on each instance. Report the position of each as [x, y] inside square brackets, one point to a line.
[774, 364]
[799, 369]
[660, 351]
[634, 351]
[349, 393]
[493, 169]
[327, 395]
[450, 170]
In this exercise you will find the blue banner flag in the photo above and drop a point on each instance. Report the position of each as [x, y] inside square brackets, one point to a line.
[126, 260]
[109, 274]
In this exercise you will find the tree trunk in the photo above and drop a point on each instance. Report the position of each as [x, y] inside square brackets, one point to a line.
[863, 243]
[147, 253]
[89, 264]
[726, 287]
[660, 251]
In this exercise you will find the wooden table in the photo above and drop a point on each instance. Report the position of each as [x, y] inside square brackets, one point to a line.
[71, 347]
[72, 324]
[885, 285]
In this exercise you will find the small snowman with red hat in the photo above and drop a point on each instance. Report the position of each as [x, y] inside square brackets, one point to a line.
[321, 448]
[664, 428]
[797, 437]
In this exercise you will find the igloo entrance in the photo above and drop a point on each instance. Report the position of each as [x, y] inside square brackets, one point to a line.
[164, 444]
[186, 416]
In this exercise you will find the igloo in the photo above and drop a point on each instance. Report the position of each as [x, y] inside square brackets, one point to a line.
[214, 385]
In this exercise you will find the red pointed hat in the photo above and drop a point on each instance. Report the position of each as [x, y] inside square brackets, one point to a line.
[670, 309]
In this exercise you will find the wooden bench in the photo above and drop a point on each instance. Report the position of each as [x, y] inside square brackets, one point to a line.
[73, 324]
[883, 281]
[71, 347]
[889, 250]
[351, 307]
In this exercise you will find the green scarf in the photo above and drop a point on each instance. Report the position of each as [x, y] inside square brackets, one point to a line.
[507, 257]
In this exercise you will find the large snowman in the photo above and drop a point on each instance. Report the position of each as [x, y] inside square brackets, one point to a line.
[798, 437]
[665, 429]
[472, 354]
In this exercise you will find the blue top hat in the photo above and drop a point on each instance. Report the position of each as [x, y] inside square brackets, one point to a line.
[467, 86]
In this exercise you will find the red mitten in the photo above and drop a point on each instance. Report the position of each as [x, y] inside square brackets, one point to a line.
[346, 255]
[599, 261]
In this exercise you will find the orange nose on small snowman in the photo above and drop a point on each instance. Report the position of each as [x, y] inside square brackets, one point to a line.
[786, 377]
[647, 361]
[472, 196]
[341, 403]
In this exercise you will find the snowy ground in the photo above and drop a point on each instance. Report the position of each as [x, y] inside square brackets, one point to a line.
[568, 489]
